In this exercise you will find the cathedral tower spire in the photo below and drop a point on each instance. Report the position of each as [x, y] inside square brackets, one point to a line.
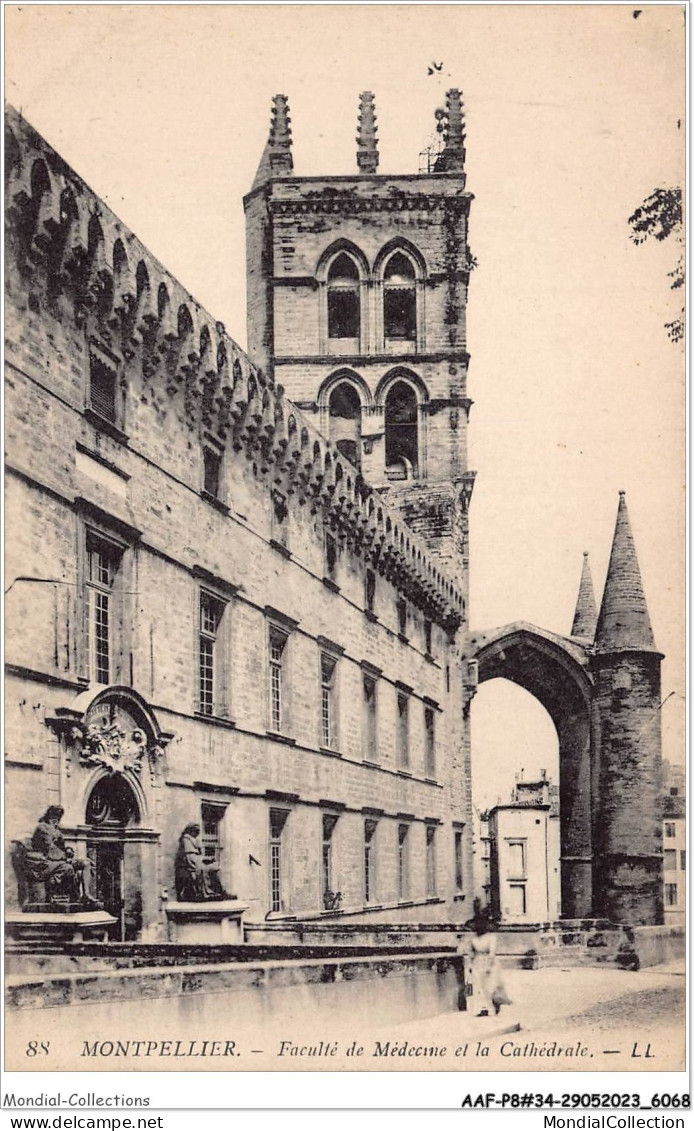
[277, 158]
[451, 123]
[586, 615]
[623, 623]
[367, 140]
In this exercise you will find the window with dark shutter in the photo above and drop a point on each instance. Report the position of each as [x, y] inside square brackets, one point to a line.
[102, 388]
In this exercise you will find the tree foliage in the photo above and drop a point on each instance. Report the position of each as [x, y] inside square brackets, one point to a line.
[659, 217]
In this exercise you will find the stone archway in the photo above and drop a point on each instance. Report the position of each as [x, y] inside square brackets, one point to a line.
[554, 670]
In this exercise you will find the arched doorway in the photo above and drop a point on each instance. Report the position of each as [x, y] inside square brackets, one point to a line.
[112, 812]
[555, 672]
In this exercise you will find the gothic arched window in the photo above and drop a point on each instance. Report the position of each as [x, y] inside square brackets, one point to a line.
[344, 408]
[401, 430]
[344, 312]
[399, 299]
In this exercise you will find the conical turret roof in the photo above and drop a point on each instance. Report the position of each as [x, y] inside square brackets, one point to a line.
[623, 623]
[586, 615]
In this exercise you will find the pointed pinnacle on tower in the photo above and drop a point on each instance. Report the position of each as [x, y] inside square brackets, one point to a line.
[623, 623]
[451, 123]
[586, 615]
[367, 140]
[277, 158]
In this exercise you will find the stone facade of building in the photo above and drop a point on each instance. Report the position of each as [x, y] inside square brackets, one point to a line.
[674, 844]
[524, 849]
[246, 608]
[214, 616]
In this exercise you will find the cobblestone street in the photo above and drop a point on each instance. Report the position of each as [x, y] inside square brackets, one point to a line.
[622, 1019]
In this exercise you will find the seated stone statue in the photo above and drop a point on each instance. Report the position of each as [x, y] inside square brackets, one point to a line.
[197, 880]
[47, 872]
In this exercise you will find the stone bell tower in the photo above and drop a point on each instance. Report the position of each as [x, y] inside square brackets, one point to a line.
[357, 295]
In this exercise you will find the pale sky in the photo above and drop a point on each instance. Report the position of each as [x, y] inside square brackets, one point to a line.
[573, 117]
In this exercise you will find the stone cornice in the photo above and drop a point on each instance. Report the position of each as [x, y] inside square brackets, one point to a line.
[348, 203]
[380, 359]
[448, 185]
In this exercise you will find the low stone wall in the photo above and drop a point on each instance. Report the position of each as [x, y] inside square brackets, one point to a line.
[650, 946]
[570, 942]
[405, 987]
[340, 934]
[24, 958]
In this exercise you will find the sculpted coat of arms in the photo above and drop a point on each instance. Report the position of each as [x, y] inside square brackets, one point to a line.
[110, 737]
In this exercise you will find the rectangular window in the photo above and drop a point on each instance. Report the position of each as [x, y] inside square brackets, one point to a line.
[343, 312]
[330, 555]
[103, 560]
[515, 857]
[328, 893]
[400, 313]
[370, 861]
[670, 829]
[211, 612]
[212, 471]
[427, 637]
[429, 743]
[431, 860]
[369, 590]
[280, 519]
[670, 859]
[327, 681]
[458, 858]
[403, 736]
[370, 719]
[516, 899]
[403, 861]
[671, 895]
[278, 824]
[278, 643]
[402, 616]
[683, 859]
[211, 817]
[103, 388]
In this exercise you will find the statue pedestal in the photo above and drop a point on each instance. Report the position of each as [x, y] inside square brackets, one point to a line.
[219, 921]
[57, 926]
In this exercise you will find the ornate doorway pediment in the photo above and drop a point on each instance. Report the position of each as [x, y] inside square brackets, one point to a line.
[113, 728]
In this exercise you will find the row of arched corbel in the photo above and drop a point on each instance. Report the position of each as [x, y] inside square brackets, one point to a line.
[51, 227]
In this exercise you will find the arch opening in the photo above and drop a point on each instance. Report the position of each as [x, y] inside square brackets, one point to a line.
[344, 304]
[401, 427]
[516, 812]
[399, 299]
[112, 804]
[344, 411]
[555, 674]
